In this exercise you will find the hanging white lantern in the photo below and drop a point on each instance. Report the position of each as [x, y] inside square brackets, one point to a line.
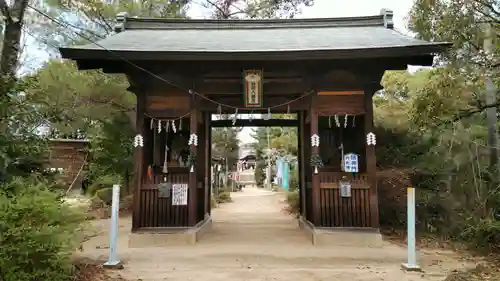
[315, 169]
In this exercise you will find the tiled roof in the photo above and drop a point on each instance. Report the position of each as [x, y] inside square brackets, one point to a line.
[142, 35]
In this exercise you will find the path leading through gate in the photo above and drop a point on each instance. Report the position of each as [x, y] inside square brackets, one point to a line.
[254, 239]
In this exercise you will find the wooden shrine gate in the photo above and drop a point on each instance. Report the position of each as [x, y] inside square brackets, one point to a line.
[324, 70]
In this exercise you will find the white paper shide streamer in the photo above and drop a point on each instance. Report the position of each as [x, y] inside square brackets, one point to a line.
[371, 139]
[315, 140]
[138, 141]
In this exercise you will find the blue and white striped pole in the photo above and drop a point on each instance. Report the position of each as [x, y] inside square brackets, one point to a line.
[411, 265]
[113, 261]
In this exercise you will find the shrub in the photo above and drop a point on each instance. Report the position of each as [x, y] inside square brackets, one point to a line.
[484, 235]
[105, 194]
[213, 202]
[38, 234]
[293, 201]
[102, 182]
[224, 197]
[294, 180]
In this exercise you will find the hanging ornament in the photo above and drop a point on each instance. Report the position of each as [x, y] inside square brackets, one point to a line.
[180, 124]
[191, 161]
[370, 139]
[337, 122]
[193, 140]
[150, 172]
[174, 129]
[151, 125]
[165, 162]
[316, 162]
[341, 147]
[159, 126]
[164, 179]
[330, 122]
[138, 141]
[167, 126]
[354, 121]
[346, 120]
[315, 140]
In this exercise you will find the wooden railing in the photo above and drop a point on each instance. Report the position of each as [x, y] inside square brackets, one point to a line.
[337, 211]
[159, 212]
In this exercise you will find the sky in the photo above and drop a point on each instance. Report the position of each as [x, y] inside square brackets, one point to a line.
[336, 8]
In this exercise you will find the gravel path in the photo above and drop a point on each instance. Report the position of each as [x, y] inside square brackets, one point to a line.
[253, 239]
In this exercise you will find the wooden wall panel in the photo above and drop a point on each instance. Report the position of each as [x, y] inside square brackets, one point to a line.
[337, 211]
[168, 102]
[159, 212]
[340, 104]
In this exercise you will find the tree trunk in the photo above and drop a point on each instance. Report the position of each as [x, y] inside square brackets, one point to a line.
[12, 38]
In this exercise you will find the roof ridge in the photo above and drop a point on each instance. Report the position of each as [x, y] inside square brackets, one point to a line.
[124, 22]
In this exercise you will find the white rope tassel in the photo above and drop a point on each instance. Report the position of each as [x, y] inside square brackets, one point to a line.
[151, 125]
[159, 126]
[346, 120]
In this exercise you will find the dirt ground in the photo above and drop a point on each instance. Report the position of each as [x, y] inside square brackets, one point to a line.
[253, 239]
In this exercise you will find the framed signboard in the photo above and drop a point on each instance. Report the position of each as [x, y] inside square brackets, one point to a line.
[253, 88]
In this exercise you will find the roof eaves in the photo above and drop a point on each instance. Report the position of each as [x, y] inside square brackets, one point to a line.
[124, 22]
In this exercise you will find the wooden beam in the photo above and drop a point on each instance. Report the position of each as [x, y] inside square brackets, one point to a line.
[255, 123]
[371, 161]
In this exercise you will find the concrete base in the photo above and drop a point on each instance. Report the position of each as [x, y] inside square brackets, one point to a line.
[113, 265]
[414, 268]
[172, 236]
[341, 236]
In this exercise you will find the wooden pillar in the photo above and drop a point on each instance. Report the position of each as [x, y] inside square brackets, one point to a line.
[192, 188]
[208, 162]
[313, 117]
[371, 160]
[140, 128]
[302, 164]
